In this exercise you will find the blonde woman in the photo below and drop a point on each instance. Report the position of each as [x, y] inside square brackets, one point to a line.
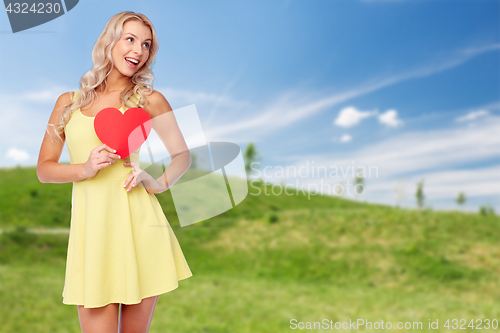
[122, 252]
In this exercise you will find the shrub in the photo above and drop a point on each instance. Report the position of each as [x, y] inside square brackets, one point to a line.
[272, 218]
[486, 210]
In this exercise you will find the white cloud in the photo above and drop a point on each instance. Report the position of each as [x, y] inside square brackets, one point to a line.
[422, 152]
[261, 121]
[17, 155]
[390, 118]
[181, 98]
[345, 138]
[350, 116]
[473, 115]
[46, 95]
[442, 157]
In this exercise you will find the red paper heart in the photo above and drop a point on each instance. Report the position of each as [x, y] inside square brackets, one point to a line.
[125, 132]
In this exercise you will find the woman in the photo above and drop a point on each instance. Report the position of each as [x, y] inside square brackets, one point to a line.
[121, 248]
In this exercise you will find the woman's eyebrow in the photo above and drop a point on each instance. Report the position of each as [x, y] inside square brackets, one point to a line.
[136, 36]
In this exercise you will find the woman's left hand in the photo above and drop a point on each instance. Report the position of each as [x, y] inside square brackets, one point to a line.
[139, 176]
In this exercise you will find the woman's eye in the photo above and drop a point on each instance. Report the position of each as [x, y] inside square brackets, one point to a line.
[147, 45]
[129, 38]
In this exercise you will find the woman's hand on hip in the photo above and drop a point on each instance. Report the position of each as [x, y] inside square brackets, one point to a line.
[138, 177]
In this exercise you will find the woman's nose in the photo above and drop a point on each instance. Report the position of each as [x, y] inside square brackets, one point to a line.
[138, 49]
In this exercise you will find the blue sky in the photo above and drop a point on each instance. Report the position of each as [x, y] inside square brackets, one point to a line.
[411, 87]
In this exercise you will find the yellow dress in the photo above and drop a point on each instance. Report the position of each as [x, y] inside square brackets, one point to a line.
[121, 247]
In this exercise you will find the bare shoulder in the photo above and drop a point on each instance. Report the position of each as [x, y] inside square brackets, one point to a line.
[62, 101]
[158, 104]
[65, 98]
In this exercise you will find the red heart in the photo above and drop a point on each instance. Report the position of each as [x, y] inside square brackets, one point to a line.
[125, 132]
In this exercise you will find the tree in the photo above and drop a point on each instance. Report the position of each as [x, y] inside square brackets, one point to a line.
[486, 210]
[359, 180]
[419, 195]
[250, 155]
[461, 199]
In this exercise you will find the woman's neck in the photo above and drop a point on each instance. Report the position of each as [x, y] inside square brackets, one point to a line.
[114, 82]
[108, 89]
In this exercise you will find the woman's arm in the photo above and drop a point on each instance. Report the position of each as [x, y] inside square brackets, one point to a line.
[165, 125]
[48, 168]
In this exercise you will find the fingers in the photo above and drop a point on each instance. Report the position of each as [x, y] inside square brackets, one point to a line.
[134, 165]
[100, 157]
[115, 156]
[103, 165]
[99, 161]
[110, 155]
[103, 147]
[130, 182]
[105, 155]
[104, 159]
[131, 186]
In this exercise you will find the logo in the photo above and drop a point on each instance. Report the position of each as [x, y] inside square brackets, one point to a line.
[216, 180]
[27, 14]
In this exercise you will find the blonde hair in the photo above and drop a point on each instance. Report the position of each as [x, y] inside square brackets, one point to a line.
[95, 79]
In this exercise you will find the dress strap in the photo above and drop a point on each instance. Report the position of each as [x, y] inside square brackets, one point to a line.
[75, 94]
[136, 96]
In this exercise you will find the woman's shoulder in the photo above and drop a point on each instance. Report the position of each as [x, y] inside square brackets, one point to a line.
[158, 104]
[64, 98]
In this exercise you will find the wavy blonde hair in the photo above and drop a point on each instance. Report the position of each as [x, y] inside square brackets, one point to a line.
[141, 83]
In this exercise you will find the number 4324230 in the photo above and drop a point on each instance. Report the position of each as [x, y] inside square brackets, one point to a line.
[43, 8]
[479, 324]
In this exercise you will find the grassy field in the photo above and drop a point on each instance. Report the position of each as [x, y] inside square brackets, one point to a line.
[270, 260]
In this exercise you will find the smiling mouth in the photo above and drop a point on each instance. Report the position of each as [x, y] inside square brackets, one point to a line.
[131, 62]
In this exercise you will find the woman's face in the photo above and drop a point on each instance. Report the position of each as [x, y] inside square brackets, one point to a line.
[134, 44]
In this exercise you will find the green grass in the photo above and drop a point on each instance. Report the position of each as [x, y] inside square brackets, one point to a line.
[49, 205]
[272, 259]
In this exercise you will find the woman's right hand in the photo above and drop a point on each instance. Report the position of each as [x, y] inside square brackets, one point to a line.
[98, 160]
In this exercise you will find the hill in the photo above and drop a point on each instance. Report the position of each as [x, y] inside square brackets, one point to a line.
[49, 205]
[270, 260]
